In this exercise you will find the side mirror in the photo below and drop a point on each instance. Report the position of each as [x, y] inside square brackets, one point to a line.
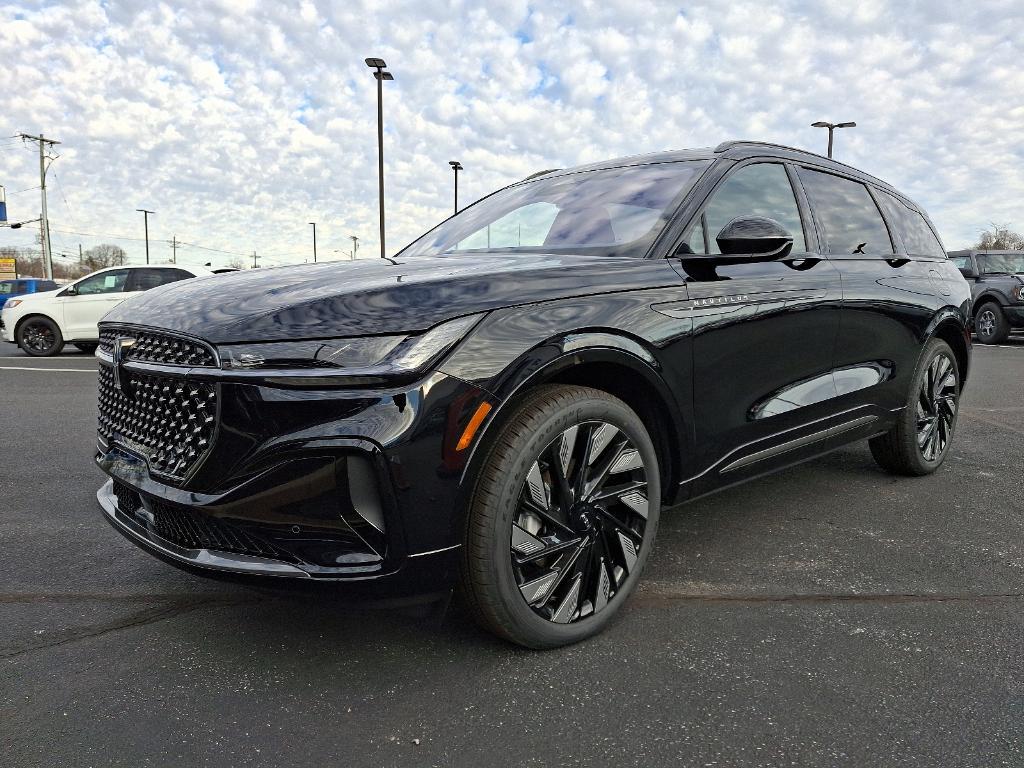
[755, 236]
[70, 291]
[967, 272]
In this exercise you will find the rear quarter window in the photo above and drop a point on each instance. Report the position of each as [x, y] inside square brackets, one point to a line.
[918, 237]
[852, 222]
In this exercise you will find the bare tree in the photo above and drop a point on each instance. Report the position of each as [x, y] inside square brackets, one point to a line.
[101, 256]
[1000, 238]
[237, 263]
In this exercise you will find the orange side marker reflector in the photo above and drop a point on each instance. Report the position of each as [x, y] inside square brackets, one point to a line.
[474, 424]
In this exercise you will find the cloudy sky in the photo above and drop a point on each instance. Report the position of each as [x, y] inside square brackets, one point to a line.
[241, 121]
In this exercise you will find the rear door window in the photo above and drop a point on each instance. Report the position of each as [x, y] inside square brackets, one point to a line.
[852, 222]
[144, 279]
[917, 235]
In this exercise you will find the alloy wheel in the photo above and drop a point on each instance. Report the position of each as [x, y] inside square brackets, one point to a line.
[38, 337]
[579, 524]
[986, 323]
[936, 408]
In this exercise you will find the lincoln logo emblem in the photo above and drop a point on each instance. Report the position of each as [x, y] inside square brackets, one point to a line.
[121, 345]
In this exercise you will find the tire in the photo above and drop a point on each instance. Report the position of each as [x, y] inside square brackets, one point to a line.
[919, 442]
[88, 348]
[990, 325]
[508, 584]
[40, 337]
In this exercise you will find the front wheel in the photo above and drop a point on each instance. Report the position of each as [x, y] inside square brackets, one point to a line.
[918, 444]
[40, 337]
[562, 519]
[990, 324]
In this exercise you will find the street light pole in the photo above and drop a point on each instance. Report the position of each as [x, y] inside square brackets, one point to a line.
[314, 241]
[355, 245]
[831, 128]
[381, 75]
[456, 166]
[145, 216]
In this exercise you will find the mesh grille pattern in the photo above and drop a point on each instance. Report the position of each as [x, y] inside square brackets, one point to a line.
[151, 347]
[192, 529]
[169, 420]
[128, 501]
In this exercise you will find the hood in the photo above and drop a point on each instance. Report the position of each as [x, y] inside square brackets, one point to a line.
[34, 296]
[376, 296]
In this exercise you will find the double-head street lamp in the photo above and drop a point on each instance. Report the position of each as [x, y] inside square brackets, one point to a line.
[831, 128]
[381, 75]
[456, 166]
[145, 215]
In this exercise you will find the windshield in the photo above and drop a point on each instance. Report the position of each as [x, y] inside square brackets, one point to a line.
[611, 211]
[6, 287]
[1001, 262]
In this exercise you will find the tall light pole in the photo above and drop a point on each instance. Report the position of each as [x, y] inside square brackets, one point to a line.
[831, 128]
[381, 76]
[456, 166]
[355, 245]
[145, 216]
[314, 241]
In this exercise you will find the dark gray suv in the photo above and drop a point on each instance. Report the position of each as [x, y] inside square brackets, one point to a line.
[997, 287]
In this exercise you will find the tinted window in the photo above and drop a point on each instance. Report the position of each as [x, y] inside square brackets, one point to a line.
[850, 217]
[144, 279]
[6, 287]
[46, 285]
[961, 262]
[105, 282]
[756, 190]
[917, 235]
[604, 208]
[995, 263]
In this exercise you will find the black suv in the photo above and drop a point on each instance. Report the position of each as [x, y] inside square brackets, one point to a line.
[997, 286]
[507, 405]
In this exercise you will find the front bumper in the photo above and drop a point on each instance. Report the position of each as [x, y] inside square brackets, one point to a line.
[340, 486]
[6, 328]
[1014, 316]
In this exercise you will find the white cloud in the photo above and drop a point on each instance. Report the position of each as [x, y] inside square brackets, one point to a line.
[239, 122]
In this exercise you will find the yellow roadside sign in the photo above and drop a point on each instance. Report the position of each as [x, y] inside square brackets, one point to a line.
[7, 268]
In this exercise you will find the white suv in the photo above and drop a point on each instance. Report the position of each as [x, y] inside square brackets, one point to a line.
[41, 323]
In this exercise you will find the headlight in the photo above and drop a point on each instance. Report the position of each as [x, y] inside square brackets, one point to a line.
[362, 355]
[11, 303]
[1020, 294]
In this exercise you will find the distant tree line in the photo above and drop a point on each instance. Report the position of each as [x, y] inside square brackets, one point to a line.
[29, 261]
[1000, 238]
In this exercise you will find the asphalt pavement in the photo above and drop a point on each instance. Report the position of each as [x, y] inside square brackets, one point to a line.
[828, 615]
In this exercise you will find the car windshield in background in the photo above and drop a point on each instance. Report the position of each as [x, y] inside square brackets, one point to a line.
[6, 287]
[1011, 263]
[615, 210]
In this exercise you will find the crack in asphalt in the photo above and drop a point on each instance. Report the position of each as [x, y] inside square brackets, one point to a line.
[137, 619]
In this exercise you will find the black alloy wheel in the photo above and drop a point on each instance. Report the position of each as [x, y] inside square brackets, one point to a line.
[919, 442]
[40, 337]
[563, 517]
[990, 324]
[580, 521]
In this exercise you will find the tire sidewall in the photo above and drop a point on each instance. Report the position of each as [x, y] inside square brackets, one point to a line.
[536, 631]
[999, 330]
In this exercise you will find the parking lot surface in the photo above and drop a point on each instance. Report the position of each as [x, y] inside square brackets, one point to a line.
[827, 615]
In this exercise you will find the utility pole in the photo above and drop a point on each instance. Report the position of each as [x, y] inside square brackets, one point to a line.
[254, 259]
[44, 224]
[145, 216]
[81, 259]
[355, 245]
[314, 241]
[174, 249]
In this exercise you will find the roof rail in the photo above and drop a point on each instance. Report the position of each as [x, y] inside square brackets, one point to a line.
[737, 142]
[541, 173]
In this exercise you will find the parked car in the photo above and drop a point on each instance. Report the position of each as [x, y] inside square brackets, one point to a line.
[42, 323]
[508, 404]
[19, 286]
[997, 285]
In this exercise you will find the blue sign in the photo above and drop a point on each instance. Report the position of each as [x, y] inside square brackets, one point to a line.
[3, 205]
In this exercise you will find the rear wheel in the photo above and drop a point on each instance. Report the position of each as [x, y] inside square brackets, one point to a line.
[918, 444]
[990, 324]
[562, 519]
[40, 337]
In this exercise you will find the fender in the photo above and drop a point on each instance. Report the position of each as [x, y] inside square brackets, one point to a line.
[547, 361]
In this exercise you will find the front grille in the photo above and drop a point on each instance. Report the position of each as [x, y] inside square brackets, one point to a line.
[168, 420]
[192, 529]
[128, 501]
[155, 347]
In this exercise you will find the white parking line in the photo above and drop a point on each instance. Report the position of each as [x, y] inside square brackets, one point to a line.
[58, 370]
